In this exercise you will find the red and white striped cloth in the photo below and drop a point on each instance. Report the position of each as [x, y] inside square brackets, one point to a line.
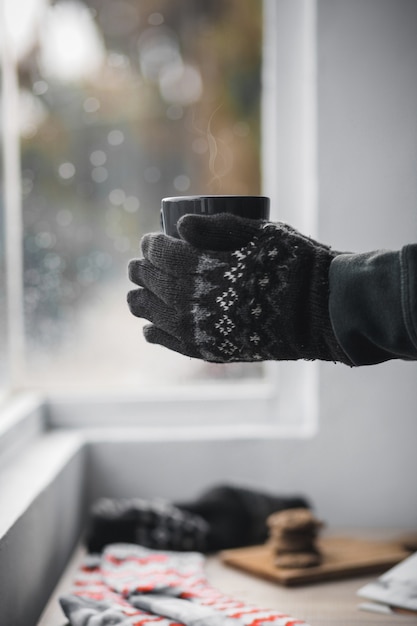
[144, 586]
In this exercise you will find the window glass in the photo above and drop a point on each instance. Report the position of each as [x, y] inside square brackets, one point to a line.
[122, 103]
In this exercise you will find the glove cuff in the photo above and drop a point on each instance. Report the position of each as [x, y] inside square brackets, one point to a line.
[324, 345]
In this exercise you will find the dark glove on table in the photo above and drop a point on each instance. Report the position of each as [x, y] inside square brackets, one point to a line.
[234, 289]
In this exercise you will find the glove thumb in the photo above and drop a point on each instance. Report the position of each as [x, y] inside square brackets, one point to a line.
[220, 232]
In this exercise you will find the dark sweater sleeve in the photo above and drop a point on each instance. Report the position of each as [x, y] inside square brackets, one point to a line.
[373, 304]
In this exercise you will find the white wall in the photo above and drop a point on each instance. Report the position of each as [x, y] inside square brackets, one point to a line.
[367, 165]
[360, 468]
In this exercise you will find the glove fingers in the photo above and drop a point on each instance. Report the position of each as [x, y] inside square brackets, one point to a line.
[163, 285]
[220, 232]
[143, 303]
[155, 335]
[171, 255]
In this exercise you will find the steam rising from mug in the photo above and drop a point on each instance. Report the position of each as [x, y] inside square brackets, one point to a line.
[218, 151]
[252, 207]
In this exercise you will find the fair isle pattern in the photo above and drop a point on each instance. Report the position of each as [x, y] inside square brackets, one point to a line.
[92, 601]
[174, 584]
[241, 291]
[236, 302]
[153, 523]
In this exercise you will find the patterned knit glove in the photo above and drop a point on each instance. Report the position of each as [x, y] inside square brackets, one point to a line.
[233, 289]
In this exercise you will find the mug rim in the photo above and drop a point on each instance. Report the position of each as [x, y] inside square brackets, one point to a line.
[212, 196]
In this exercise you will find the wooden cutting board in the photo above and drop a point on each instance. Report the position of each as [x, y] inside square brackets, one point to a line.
[342, 557]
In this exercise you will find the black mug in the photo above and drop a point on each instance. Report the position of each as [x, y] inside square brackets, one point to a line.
[252, 207]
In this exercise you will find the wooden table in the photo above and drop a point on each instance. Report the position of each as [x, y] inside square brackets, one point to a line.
[320, 604]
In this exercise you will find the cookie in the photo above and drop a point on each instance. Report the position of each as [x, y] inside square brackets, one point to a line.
[294, 520]
[292, 537]
[284, 543]
[298, 560]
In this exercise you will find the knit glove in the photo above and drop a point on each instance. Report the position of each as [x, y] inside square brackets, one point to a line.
[233, 289]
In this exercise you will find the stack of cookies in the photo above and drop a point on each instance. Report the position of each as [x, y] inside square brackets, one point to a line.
[292, 536]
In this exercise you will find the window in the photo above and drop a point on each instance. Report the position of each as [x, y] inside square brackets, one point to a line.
[120, 104]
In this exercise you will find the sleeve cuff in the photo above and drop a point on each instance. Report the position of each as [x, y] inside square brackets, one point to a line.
[373, 304]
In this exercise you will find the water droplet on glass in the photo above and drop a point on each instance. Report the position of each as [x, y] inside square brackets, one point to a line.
[45, 239]
[181, 84]
[28, 173]
[52, 261]
[131, 204]
[117, 197]
[115, 137]
[98, 157]
[27, 186]
[40, 87]
[91, 105]
[117, 60]
[156, 19]
[158, 49]
[182, 182]
[66, 170]
[99, 174]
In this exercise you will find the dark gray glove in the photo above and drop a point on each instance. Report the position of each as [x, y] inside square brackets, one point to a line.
[233, 289]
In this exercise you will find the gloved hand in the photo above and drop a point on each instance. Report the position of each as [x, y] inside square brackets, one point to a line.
[234, 289]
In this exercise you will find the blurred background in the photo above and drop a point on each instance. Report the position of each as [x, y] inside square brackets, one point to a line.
[120, 103]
